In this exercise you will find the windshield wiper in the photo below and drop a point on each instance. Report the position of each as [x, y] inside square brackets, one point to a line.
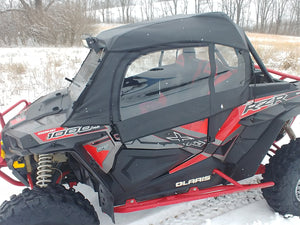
[72, 81]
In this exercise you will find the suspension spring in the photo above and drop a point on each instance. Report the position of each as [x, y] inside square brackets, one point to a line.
[44, 170]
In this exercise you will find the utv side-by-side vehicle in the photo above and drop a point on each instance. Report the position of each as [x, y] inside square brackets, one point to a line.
[160, 112]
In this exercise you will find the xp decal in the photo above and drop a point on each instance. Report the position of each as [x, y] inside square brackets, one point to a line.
[193, 135]
[179, 137]
[61, 132]
[186, 141]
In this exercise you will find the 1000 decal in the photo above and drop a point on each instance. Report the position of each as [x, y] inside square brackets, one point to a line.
[61, 132]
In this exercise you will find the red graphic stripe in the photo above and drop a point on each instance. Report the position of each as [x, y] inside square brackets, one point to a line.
[232, 122]
[98, 156]
[192, 161]
[230, 125]
[199, 126]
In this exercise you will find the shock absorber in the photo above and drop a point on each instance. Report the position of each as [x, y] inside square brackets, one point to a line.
[44, 170]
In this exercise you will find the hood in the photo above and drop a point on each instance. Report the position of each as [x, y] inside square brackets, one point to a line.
[47, 105]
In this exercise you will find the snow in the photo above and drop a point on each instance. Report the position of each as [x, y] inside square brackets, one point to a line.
[248, 208]
[32, 72]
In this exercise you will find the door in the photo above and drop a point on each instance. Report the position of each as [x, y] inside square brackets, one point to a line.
[169, 88]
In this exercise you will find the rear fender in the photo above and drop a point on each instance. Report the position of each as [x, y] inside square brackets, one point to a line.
[249, 163]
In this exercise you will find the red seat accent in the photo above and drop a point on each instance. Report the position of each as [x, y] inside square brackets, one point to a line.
[202, 69]
[180, 60]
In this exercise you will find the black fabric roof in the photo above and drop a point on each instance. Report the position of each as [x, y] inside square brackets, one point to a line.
[208, 27]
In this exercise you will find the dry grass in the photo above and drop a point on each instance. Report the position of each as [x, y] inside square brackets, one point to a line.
[278, 51]
[14, 68]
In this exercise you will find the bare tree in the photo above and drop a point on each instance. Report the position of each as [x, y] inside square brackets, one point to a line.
[170, 7]
[198, 4]
[39, 22]
[247, 14]
[265, 10]
[229, 7]
[126, 10]
[239, 8]
[294, 18]
[210, 4]
[38, 5]
[280, 8]
[257, 13]
[165, 8]
[185, 6]
[147, 9]
[72, 21]
[104, 7]
[174, 5]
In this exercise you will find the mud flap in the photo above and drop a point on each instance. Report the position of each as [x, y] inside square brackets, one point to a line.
[106, 201]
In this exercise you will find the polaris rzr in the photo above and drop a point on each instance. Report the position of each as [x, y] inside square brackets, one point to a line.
[160, 112]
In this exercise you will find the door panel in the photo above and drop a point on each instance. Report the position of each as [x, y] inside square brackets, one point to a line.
[171, 88]
[190, 137]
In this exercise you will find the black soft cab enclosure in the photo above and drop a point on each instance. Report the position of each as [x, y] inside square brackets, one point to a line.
[149, 74]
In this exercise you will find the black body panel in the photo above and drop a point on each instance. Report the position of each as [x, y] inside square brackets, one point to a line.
[144, 174]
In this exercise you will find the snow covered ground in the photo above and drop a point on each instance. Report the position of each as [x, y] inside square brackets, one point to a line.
[23, 75]
[245, 208]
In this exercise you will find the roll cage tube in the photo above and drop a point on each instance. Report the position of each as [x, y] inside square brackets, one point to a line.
[259, 61]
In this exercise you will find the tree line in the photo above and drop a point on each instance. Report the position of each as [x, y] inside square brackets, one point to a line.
[63, 22]
[43, 22]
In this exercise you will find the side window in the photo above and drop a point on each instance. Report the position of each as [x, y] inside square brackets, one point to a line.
[164, 78]
[230, 68]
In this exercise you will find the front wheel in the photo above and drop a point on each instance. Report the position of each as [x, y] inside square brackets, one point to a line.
[284, 170]
[53, 205]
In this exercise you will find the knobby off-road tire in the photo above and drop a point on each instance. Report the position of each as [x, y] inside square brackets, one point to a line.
[284, 170]
[53, 205]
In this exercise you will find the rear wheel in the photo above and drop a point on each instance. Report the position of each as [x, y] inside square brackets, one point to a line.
[284, 170]
[53, 205]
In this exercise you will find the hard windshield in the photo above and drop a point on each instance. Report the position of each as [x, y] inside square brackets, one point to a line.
[85, 72]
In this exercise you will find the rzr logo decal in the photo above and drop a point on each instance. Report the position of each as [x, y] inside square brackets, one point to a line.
[60, 132]
[263, 104]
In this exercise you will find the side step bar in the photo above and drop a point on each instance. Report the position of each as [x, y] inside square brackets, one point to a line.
[194, 193]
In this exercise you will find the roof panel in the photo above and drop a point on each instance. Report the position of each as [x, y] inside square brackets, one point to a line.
[208, 27]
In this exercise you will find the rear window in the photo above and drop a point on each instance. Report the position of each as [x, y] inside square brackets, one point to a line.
[230, 68]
